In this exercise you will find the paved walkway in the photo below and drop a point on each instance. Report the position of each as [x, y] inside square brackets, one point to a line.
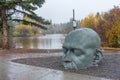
[15, 71]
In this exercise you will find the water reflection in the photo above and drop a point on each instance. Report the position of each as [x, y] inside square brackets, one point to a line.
[35, 42]
[51, 41]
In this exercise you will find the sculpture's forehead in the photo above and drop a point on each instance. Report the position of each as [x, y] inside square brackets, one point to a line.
[82, 31]
[81, 38]
[73, 43]
[83, 34]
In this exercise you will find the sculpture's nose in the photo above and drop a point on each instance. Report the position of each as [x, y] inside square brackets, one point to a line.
[66, 57]
[67, 54]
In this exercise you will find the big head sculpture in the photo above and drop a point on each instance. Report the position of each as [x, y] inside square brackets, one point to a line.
[81, 49]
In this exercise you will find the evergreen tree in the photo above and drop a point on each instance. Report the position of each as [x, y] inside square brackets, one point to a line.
[26, 7]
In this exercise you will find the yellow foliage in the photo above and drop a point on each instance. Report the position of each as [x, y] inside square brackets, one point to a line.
[20, 27]
[113, 36]
[90, 22]
[107, 25]
[29, 19]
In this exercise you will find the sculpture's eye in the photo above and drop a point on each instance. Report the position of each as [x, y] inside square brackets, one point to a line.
[65, 50]
[78, 52]
[72, 50]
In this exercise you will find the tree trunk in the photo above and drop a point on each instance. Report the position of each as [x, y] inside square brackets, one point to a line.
[5, 29]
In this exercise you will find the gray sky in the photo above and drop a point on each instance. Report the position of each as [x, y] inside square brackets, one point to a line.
[60, 11]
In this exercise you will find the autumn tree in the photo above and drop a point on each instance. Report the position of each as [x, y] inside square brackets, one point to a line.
[90, 22]
[26, 30]
[102, 28]
[23, 30]
[113, 36]
[112, 19]
[107, 25]
[115, 30]
[26, 7]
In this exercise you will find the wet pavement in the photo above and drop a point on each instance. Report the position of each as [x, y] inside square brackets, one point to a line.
[15, 71]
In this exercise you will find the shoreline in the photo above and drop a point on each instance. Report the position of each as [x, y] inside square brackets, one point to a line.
[24, 51]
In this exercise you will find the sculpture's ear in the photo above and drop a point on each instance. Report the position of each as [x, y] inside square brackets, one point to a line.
[98, 56]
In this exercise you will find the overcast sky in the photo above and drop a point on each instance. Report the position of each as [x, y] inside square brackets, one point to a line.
[60, 11]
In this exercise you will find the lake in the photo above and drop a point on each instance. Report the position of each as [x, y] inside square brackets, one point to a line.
[49, 41]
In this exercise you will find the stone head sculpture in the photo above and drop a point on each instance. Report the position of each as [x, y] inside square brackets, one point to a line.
[81, 49]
